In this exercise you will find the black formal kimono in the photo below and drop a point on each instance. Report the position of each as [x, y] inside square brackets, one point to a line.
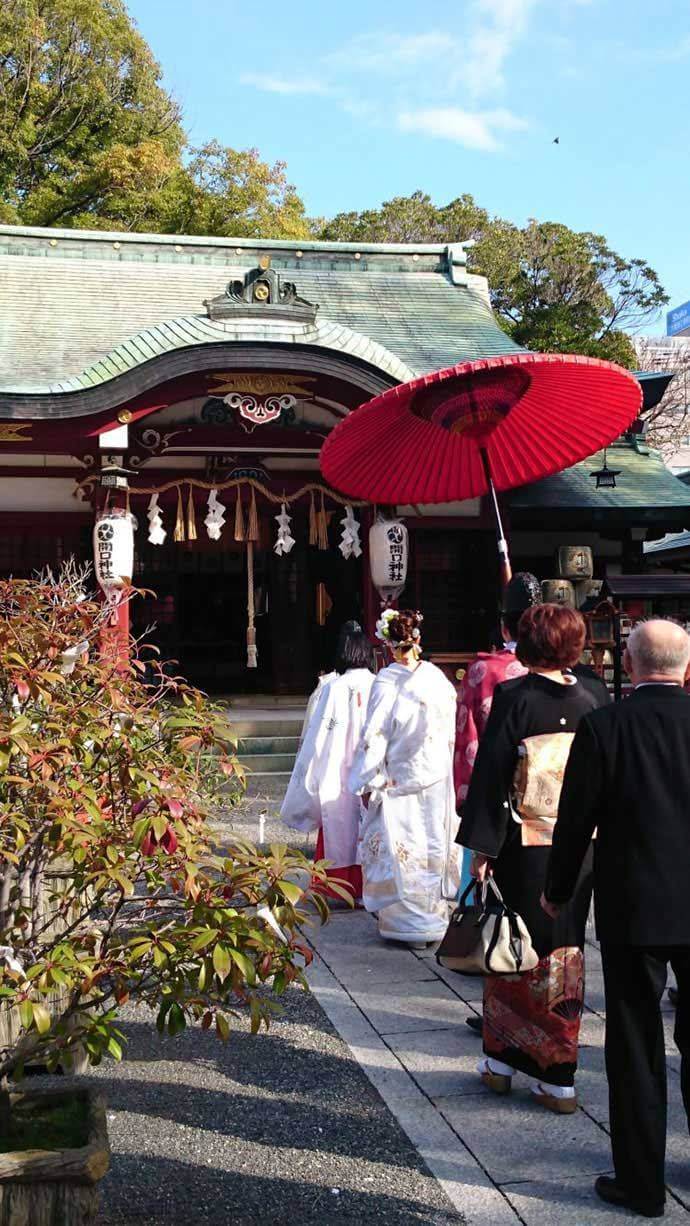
[531, 1020]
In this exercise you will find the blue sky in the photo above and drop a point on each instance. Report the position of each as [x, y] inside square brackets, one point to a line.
[365, 101]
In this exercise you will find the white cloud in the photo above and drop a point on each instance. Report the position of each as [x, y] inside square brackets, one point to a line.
[284, 85]
[389, 52]
[473, 129]
[496, 27]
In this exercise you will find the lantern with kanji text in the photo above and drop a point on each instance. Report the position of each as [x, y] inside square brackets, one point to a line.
[388, 551]
[113, 550]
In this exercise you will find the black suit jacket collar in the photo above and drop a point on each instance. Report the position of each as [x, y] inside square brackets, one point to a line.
[657, 690]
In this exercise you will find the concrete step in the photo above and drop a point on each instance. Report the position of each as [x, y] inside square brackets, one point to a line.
[264, 702]
[248, 729]
[268, 744]
[268, 763]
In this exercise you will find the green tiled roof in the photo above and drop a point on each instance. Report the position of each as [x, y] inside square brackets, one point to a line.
[668, 545]
[644, 484]
[73, 303]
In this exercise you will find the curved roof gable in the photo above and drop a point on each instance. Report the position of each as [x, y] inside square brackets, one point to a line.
[73, 303]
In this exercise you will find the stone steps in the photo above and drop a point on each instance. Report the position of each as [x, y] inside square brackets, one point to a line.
[268, 763]
[268, 735]
[268, 745]
[246, 729]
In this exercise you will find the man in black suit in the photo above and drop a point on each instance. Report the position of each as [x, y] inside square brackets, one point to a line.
[628, 777]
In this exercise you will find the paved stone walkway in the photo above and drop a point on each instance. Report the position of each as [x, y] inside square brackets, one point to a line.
[500, 1161]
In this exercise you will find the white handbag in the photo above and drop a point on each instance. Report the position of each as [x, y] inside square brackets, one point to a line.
[488, 938]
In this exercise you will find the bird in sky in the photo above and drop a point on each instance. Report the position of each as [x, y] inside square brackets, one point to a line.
[557, 140]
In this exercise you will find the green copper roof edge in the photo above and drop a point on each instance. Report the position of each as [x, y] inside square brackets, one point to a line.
[129, 354]
[245, 244]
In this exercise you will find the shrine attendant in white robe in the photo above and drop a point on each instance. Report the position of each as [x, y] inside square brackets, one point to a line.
[318, 796]
[403, 770]
[348, 628]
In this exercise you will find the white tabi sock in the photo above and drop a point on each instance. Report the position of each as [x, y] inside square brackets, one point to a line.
[542, 1087]
[489, 1065]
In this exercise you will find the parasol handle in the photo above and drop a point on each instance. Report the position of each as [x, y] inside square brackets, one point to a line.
[506, 569]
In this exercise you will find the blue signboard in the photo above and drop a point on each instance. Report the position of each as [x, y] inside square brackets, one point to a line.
[678, 320]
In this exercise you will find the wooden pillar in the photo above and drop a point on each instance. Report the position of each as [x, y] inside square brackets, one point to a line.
[115, 635]
[371, 604]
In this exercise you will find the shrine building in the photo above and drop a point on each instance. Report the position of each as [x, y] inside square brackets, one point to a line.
[212, 370]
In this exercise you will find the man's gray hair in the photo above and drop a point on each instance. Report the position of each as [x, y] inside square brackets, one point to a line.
[659, 647]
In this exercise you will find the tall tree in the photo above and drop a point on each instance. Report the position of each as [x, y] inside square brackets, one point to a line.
[89, 138]
[85, 124]
[552, 289]
[225, 191]
[408, 219]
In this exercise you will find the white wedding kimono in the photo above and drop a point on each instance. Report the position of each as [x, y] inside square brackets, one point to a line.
[405, 762]
[318, 794]
[324, 680]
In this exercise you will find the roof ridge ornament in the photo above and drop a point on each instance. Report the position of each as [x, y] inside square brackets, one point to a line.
[456, 254]
[262, 291]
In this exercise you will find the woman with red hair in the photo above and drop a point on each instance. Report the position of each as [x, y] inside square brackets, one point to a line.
[532, 1020]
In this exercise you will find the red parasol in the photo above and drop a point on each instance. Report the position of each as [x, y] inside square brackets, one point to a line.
[479, 427]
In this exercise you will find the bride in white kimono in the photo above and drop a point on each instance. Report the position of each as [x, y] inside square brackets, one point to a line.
[403, 769]
[318, 796]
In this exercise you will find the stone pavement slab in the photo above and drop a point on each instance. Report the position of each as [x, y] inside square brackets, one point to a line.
[442, 1062]
[499, 1160]
[412, 1006]
[550, 1201]
[516, 1139]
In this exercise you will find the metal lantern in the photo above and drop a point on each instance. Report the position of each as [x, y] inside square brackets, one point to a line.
[558, 591]
[113, 550]
[388, 551]
[605, 477]
[601, 625]
[575, 562]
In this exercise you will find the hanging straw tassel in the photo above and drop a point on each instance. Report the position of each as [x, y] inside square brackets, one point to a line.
[239, 518]
[313, 524]
[191, 517]
[253, 523]
[252, 654]
[322, 526]
[178, 534]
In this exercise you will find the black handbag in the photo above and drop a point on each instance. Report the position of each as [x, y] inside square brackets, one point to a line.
[486, 937]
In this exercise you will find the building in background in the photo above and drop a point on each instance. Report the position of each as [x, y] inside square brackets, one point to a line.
[222, 364]
[668, 423]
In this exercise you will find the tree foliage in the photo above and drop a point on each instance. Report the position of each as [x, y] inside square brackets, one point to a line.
[90, 139]
[112, 886]
[224, 191]
[409, 219]
[552, 289]
[85, 124]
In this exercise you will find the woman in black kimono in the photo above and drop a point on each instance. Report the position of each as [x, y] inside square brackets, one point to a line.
[532, 1020]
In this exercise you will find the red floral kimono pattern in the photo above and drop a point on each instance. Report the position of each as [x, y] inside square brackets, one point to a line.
[536, 1015]
[475, 695]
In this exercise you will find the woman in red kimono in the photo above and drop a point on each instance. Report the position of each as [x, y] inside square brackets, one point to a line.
[476, 691]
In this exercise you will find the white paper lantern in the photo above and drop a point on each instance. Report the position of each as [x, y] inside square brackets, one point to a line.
[113, 550]
[388, 550]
